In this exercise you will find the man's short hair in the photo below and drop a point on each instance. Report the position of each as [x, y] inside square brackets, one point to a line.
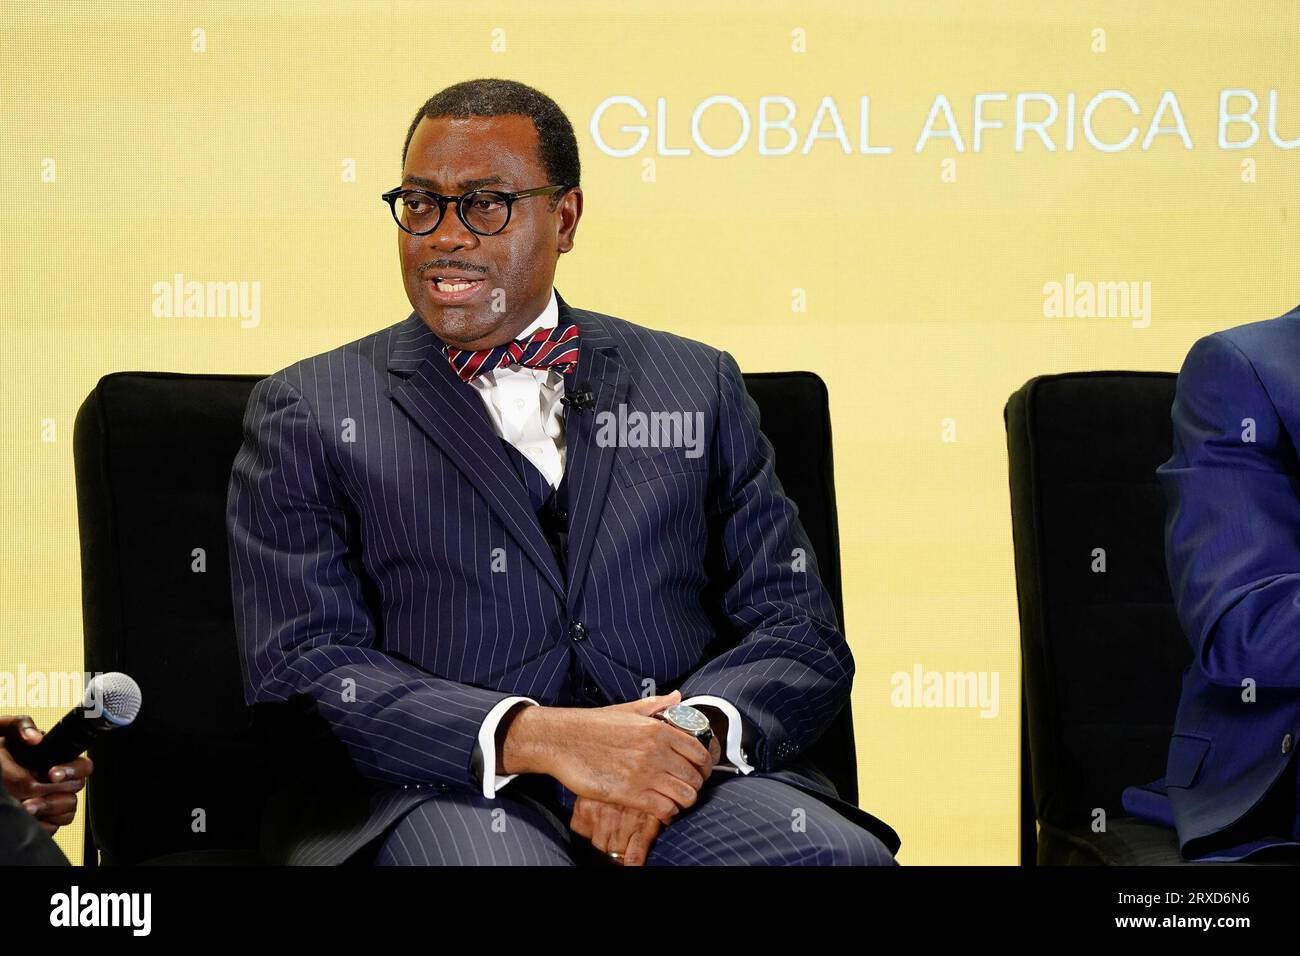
[557, 145]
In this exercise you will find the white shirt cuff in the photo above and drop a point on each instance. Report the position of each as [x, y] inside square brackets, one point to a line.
[487, 746]
[735, 729]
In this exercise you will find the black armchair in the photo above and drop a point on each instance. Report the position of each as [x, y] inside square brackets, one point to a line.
[153, 453]
[1102, 652]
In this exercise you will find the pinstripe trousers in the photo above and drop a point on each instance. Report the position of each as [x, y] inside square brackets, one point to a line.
[738, 820]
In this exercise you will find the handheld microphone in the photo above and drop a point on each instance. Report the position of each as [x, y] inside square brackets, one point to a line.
[579, 400]
[112, 701]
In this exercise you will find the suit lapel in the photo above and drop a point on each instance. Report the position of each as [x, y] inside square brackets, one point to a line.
[587, 465]
[451, 413]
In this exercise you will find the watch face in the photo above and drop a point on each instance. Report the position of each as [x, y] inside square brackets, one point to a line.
[687, 718]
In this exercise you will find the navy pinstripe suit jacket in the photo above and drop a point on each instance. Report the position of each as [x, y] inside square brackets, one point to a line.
[387, 565]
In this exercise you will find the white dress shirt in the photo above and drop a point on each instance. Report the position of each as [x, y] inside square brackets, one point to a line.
[525, 409]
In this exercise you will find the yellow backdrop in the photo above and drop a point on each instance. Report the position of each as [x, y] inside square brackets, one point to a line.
[923, 267]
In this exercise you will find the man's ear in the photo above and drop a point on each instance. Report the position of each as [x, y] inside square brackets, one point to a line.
[568, 214]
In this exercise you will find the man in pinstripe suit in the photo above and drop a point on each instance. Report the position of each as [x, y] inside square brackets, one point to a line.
[438, 547]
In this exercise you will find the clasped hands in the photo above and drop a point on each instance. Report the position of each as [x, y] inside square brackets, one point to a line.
[632, 773]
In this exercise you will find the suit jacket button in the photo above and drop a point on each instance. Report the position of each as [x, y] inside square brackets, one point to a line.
[1286, 744]
[577, 630]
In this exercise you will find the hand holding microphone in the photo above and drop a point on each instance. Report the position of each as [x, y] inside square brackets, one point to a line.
[54, 804]
[44, 772]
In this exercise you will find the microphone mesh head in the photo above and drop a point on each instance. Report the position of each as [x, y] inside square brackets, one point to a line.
[117, 694]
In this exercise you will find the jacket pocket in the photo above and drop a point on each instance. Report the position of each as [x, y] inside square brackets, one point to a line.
[1186, 755]
[672, 461]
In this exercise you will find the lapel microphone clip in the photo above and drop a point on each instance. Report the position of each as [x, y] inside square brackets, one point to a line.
[579, 400]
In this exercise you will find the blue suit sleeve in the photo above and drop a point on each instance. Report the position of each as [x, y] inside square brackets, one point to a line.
[1232, 531]
[301, 618]
[790, 670]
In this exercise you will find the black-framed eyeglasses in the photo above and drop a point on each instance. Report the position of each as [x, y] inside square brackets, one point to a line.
[483, 211]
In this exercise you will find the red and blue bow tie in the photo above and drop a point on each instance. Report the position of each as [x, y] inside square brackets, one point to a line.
[555, 347]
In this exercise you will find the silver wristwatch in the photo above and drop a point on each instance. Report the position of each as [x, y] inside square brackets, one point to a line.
[689, 719]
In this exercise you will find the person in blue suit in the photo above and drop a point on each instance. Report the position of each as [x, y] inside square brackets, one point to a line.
[1232, 545]
[538, 636]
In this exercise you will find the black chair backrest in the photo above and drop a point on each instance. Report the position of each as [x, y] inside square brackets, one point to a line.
[153, 453]
[796, 418]
[1102, 651]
